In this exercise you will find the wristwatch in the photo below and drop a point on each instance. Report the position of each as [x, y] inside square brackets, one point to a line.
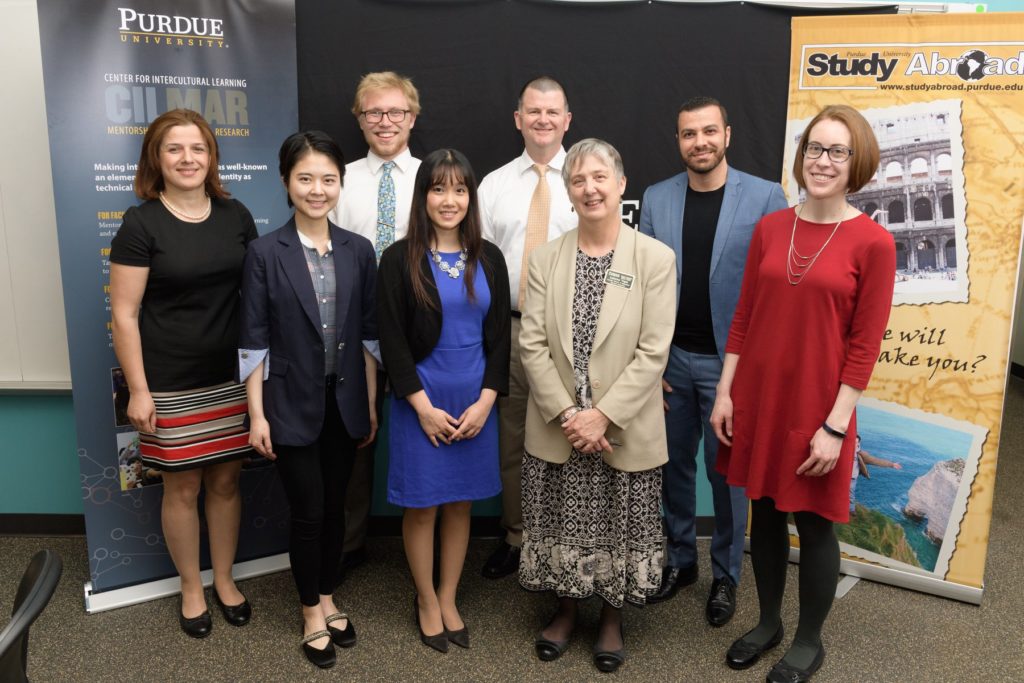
[569, 412]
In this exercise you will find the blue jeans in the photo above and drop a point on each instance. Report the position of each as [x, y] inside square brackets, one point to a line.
[693, 378]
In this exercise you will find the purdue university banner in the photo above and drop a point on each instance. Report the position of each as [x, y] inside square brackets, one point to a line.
[945, 96]
[110, 69]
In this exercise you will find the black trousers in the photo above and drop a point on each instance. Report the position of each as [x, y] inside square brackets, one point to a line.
[315, 478]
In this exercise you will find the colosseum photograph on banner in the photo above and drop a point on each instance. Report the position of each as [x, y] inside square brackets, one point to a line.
[918, 195]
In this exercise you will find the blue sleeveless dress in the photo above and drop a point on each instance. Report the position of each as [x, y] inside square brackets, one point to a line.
[420, 475]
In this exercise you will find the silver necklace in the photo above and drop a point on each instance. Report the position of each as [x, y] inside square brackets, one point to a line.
[184, 216]
[798, 265]
[453, 271]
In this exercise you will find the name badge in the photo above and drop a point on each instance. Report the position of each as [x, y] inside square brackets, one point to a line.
[614, 277]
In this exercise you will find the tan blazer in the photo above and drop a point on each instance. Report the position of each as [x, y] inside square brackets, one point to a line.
[634, 332]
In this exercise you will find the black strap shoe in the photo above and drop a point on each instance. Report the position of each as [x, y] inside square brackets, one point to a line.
[324, 658]
[721, 602]
[342, 637]
[672, 579]
[502, 562]
[744, 654]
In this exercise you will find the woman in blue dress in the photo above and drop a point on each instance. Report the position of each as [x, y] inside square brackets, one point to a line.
[444, 320]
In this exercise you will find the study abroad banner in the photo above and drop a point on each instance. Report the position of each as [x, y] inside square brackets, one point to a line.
[945, 96]
[110, 68]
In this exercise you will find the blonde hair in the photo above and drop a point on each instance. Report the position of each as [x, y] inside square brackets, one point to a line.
[386, 80]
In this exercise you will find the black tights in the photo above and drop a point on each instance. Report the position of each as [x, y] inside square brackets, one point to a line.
[819, 572]
[315, 478]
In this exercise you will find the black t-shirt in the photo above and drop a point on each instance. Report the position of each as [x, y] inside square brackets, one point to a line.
[694, 331]
[189, 316]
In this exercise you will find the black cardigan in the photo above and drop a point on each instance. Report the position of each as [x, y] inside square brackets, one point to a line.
[409, 331]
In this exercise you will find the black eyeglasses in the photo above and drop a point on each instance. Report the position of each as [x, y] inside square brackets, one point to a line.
[837, 153]
[376, 116]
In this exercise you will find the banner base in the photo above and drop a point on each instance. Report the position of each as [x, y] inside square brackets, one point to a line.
[153, 590]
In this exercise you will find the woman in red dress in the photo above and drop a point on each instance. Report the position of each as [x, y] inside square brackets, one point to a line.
[817, 290]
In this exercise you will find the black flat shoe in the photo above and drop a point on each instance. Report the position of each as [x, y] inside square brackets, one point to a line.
[324, 658]
[502, 562]
[345, 637]
[743, 654]
[236, 615]
[607, 661]
[549, 650]
[197, 627]
[672, 579]
[786, 673]
[460, 637]
[438, 642]
[721, 602]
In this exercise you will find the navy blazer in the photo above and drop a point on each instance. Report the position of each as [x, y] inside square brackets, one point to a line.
[747, 199]
[280, 313]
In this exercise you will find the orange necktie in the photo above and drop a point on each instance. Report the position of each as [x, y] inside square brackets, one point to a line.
[536, 225]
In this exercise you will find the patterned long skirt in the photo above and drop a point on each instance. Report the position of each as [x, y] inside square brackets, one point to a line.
[589, 529]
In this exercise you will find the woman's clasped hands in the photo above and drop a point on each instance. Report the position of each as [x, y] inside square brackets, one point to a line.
[585, 431]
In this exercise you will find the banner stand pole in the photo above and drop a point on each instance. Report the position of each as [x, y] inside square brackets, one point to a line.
[153, 590]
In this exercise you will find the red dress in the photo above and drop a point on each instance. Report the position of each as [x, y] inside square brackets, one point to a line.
[796, 345]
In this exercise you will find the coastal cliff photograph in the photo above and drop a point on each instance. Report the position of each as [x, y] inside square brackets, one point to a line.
[909, 486]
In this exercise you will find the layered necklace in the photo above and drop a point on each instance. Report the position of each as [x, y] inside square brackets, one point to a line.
[798, 265]
[185, 216]
[453, 271]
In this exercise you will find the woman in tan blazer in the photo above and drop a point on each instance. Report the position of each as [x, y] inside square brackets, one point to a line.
[597, 324]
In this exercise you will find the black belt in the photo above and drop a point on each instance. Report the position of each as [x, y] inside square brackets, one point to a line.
[516, 314]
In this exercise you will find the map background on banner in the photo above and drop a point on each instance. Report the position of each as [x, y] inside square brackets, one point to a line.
[107, 75]
[948, 359]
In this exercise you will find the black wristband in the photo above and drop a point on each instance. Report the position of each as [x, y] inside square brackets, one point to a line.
[833, 432]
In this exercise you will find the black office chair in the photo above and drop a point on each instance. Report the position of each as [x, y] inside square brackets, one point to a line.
[34, 592]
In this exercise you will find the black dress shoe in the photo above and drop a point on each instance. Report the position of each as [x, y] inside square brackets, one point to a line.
[345, 637]
[721, 602]
[460, 637]
[438, 642]
[607, 661]
[743, 654]
[236, 615]
[672, 579]
[324, 658]
[196, 627]
[786, 673]
[502, 562]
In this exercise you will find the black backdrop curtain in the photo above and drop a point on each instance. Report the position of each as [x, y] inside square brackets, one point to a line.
[626, 68]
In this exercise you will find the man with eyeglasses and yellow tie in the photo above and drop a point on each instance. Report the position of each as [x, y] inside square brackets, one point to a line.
[375, 203]
[707, 215]
[523, 205]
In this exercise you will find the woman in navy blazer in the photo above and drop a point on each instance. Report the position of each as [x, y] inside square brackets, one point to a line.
[307, 309]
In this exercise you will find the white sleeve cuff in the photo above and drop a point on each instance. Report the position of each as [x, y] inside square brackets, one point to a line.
[248, 359]
[373, 346]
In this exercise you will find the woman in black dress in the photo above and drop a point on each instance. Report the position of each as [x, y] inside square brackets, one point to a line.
[176, 266]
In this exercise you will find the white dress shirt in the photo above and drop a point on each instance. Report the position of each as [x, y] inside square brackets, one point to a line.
[357, 207]
[505, 196]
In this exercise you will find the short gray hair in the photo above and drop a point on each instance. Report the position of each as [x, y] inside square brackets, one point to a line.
[592, 147]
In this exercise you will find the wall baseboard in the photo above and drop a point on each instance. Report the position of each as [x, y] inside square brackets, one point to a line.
[42, 525]
[74, 525]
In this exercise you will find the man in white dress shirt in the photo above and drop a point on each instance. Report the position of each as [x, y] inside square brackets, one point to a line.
[524, 204]
[375, 203]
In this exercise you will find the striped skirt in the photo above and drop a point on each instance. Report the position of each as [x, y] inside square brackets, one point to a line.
[196, 428]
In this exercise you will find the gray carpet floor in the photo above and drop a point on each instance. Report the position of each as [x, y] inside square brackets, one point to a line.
[875, 633]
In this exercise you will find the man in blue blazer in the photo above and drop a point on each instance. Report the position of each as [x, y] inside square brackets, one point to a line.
[707, 215]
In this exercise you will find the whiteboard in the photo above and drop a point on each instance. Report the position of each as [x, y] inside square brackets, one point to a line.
[33, 340]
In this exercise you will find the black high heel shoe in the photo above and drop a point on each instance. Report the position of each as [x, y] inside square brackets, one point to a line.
[460, 637]
[236, 615]
[438, 642]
